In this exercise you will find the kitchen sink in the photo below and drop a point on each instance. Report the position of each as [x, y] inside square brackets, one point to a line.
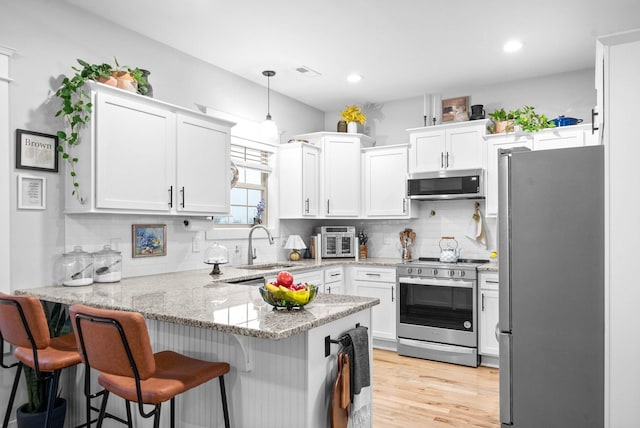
[266, 266]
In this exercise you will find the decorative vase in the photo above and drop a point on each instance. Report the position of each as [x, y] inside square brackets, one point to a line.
[504, 126]
[111, 81]
[352, 127]
[36, 420]
[125, 80]
[145, 74]
[342, 126]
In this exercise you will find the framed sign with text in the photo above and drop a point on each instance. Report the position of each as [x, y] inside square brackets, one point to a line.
[35, 150]
[32, 192]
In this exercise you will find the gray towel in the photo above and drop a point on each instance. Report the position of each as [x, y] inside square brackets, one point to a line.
[358, 351]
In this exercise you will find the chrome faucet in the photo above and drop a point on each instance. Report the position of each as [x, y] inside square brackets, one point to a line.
[252, 252]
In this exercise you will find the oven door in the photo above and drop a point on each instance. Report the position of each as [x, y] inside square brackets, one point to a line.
[437, 310]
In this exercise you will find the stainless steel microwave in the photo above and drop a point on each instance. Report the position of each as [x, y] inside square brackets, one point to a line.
[447, 184]
[337, 241]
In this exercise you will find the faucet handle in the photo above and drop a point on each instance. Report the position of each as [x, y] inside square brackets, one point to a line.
[254, 256]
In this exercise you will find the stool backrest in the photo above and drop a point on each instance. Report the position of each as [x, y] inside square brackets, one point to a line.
[23, 322]
[114, 342]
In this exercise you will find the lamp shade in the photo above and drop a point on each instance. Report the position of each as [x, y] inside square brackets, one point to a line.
[295, 242]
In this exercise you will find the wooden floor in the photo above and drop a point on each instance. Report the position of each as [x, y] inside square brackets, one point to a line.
[411, 392]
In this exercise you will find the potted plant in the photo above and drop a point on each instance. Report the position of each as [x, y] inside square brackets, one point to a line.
[76, 106]
[33, 412]
[502, 121]
[353, 116]
[525, 119]
[530, 121]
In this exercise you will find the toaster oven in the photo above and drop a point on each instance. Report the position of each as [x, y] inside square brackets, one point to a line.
[337, 241]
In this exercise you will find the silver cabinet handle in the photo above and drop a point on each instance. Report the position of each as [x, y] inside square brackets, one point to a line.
[327, 206]
[441, 159]
[482, 302]
[447, 164]
[372, 274]
[182, 191]
[497, 332]
[306, 206]
[404, 205]
[170, 196]
[329, 290]
[393, 293]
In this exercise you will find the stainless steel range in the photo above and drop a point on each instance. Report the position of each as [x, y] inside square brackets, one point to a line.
[437, 314]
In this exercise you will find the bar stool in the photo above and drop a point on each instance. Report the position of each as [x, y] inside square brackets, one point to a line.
[24, 325]
[117, 344]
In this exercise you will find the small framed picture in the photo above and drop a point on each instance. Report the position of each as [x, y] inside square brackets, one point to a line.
[455, 109]
[35, 150]
[32, 192]
[149, 240]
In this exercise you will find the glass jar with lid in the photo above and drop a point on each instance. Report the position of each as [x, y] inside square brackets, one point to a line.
[75, 268]
[107, 265]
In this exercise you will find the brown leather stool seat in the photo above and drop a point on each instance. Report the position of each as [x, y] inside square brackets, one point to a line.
[24, 325]
[117, 344]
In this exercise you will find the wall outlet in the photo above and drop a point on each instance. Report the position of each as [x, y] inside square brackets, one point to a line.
[196, 243]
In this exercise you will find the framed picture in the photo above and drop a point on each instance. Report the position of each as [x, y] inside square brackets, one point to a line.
[32, 192]
[149, 240]
[35, 150]
[455, 109]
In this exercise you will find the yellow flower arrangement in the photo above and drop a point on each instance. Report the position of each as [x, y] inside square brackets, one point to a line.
[353, 114]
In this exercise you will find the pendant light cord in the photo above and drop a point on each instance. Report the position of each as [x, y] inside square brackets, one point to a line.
[269, 74]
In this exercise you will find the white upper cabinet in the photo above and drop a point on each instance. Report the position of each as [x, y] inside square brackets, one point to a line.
[452, 146]
[141, 155]
[339, 173]
[494, 144]
[202, 165]
[298, 179]
[563, 137]
[385, 182]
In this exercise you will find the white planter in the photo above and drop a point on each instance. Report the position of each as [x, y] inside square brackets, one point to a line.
[352, 127]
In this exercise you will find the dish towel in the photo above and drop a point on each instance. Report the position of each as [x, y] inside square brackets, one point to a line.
[476, 230]
[358, 351]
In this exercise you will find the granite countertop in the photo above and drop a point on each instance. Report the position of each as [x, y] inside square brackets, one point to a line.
[489, 267]
[193, 298]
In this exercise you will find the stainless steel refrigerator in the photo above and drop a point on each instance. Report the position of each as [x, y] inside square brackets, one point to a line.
[551, 270]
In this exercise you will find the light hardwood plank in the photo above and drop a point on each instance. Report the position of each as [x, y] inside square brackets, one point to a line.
[411, 392]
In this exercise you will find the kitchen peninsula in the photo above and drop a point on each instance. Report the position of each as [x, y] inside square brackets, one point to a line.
[280, 375]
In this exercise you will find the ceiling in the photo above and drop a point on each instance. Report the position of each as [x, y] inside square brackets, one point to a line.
[402, 48]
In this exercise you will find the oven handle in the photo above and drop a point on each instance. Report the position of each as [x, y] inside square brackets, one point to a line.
[435, 282]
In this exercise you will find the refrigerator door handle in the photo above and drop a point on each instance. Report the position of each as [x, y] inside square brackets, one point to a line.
[506, 389]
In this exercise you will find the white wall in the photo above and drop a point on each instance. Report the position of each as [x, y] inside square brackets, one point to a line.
[570, 94]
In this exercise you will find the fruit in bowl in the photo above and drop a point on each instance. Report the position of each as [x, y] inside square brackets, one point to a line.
[285, 293]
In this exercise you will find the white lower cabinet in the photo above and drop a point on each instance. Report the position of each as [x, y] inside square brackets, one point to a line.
[334, 280]
[380, 283]
[488, 329]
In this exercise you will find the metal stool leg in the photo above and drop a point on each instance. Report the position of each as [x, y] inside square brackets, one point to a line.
[225, 410]
[53, 389]
[103, 407]
[7, 415]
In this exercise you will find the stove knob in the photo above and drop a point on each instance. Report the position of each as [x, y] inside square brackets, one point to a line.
[419, 271]
[409, 270]
[452, 273]
[462, 273]
[435, 272]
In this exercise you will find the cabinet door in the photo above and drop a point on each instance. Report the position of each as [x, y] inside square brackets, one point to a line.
[202, 166]
[558, 138]
[488, 322]
[385, 182]
[427, 151]
[134, 154]
[341, 168]
[384, 314]
[310, 181]
[493, 145]
[463, 148]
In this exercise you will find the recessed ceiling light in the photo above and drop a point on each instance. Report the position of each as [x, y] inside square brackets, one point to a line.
[512, 46]
[354, 78]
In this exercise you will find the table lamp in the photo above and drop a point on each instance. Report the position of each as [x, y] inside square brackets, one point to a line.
[295, 244]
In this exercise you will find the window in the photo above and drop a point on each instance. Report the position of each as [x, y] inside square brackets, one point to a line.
[252, 160]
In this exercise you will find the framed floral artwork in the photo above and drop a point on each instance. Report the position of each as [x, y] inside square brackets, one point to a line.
[149, 240]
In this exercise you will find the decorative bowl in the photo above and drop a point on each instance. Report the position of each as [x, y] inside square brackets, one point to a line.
[289, 299]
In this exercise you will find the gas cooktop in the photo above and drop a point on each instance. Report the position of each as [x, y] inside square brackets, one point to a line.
[460, 261]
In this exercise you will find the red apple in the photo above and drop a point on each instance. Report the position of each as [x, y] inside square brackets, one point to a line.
[285, 278]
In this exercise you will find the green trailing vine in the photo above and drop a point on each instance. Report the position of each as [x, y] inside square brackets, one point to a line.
[76, 108]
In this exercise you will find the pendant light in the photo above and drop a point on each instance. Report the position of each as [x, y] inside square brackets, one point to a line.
[268, 128]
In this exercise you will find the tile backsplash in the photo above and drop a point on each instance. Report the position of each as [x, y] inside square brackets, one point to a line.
[434, 219]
